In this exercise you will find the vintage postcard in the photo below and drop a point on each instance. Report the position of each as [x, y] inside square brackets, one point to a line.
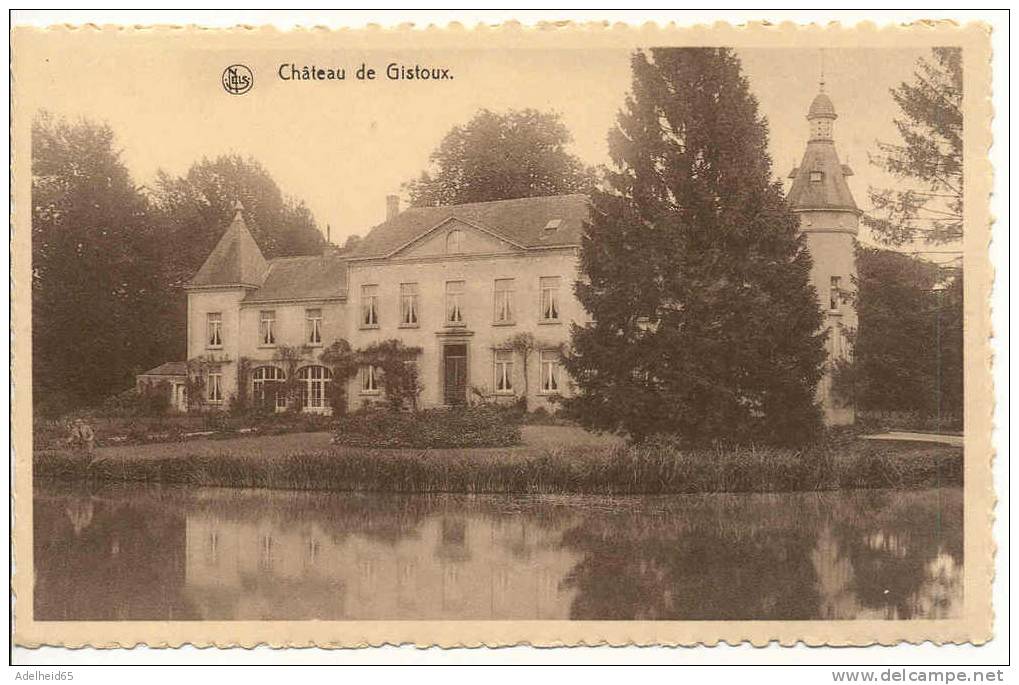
[553, 335]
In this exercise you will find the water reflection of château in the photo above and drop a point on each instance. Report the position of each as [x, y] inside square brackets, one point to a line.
[159, 553]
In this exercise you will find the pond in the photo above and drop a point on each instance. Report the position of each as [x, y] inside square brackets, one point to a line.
[140, 552]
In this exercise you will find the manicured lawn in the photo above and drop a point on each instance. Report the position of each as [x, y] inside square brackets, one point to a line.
[254, 447]
[537, 439]
[551, 437]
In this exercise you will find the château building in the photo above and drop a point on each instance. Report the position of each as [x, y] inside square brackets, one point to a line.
[457, 283]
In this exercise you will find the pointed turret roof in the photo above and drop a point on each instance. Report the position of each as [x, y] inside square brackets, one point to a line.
[819, 182]
[236, 259]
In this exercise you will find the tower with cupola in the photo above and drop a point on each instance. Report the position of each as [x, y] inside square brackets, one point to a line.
[830, 220]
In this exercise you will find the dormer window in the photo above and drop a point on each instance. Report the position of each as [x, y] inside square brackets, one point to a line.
[816, 175]
[553, 225]
[454, 241]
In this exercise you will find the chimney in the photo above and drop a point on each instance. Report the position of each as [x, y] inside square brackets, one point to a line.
[392, 206]
[329, 234]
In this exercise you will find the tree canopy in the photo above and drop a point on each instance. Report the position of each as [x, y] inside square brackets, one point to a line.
[908, 351]
[927, 205]
[95, 267]
[705, 322]
[519, 153]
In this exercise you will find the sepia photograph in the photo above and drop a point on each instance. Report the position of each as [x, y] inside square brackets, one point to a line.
[498, 337]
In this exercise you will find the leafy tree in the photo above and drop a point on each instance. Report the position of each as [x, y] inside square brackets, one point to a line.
[706, 325]
[521, 153]
[94, 269]
[351, 243]
[907, 353]
[929, 157]
[950, 361]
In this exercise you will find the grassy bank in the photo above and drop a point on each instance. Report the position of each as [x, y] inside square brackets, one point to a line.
[656, 469]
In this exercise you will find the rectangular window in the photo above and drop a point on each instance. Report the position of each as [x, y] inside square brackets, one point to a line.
[549, 371]
[267, 327]
[835, 295]
[369, 306]
[504, 371]
[313, 386]
[550, 298]
[503, 300]
[408, 304]
[313, 326]
[454, 302]
[214, 328]
[215, 386]
[369, 379]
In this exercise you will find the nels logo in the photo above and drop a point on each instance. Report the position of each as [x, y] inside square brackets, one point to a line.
[237, 79]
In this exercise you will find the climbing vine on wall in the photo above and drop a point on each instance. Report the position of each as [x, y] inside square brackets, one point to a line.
[342, 361]
[399, 378]
[289, 357]
[241, 401]
[194, 384]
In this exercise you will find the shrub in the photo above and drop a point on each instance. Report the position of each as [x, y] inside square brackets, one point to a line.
[466, 427]
[292, 422]
[155, 399]
[122, 404]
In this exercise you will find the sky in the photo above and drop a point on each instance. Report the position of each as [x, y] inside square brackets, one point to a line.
[342, 146]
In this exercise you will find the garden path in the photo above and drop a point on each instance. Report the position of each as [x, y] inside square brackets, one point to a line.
[917, 437]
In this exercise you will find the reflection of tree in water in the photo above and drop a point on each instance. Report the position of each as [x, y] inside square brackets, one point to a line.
[699, 560]
[781, 557]
[905, 550]
[128, 551]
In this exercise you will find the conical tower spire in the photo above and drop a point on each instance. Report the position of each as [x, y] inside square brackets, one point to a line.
[236, 260]
[819, 182]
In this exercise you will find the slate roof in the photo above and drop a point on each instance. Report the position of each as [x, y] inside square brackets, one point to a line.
[168, 369]
[236, 259]
[318, 277]
[832, 192]
[521, 221]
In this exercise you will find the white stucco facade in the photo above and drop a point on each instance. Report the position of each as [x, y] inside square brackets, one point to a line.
[456, 291]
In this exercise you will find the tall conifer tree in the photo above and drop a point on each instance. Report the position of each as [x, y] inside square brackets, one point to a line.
[706, 325]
